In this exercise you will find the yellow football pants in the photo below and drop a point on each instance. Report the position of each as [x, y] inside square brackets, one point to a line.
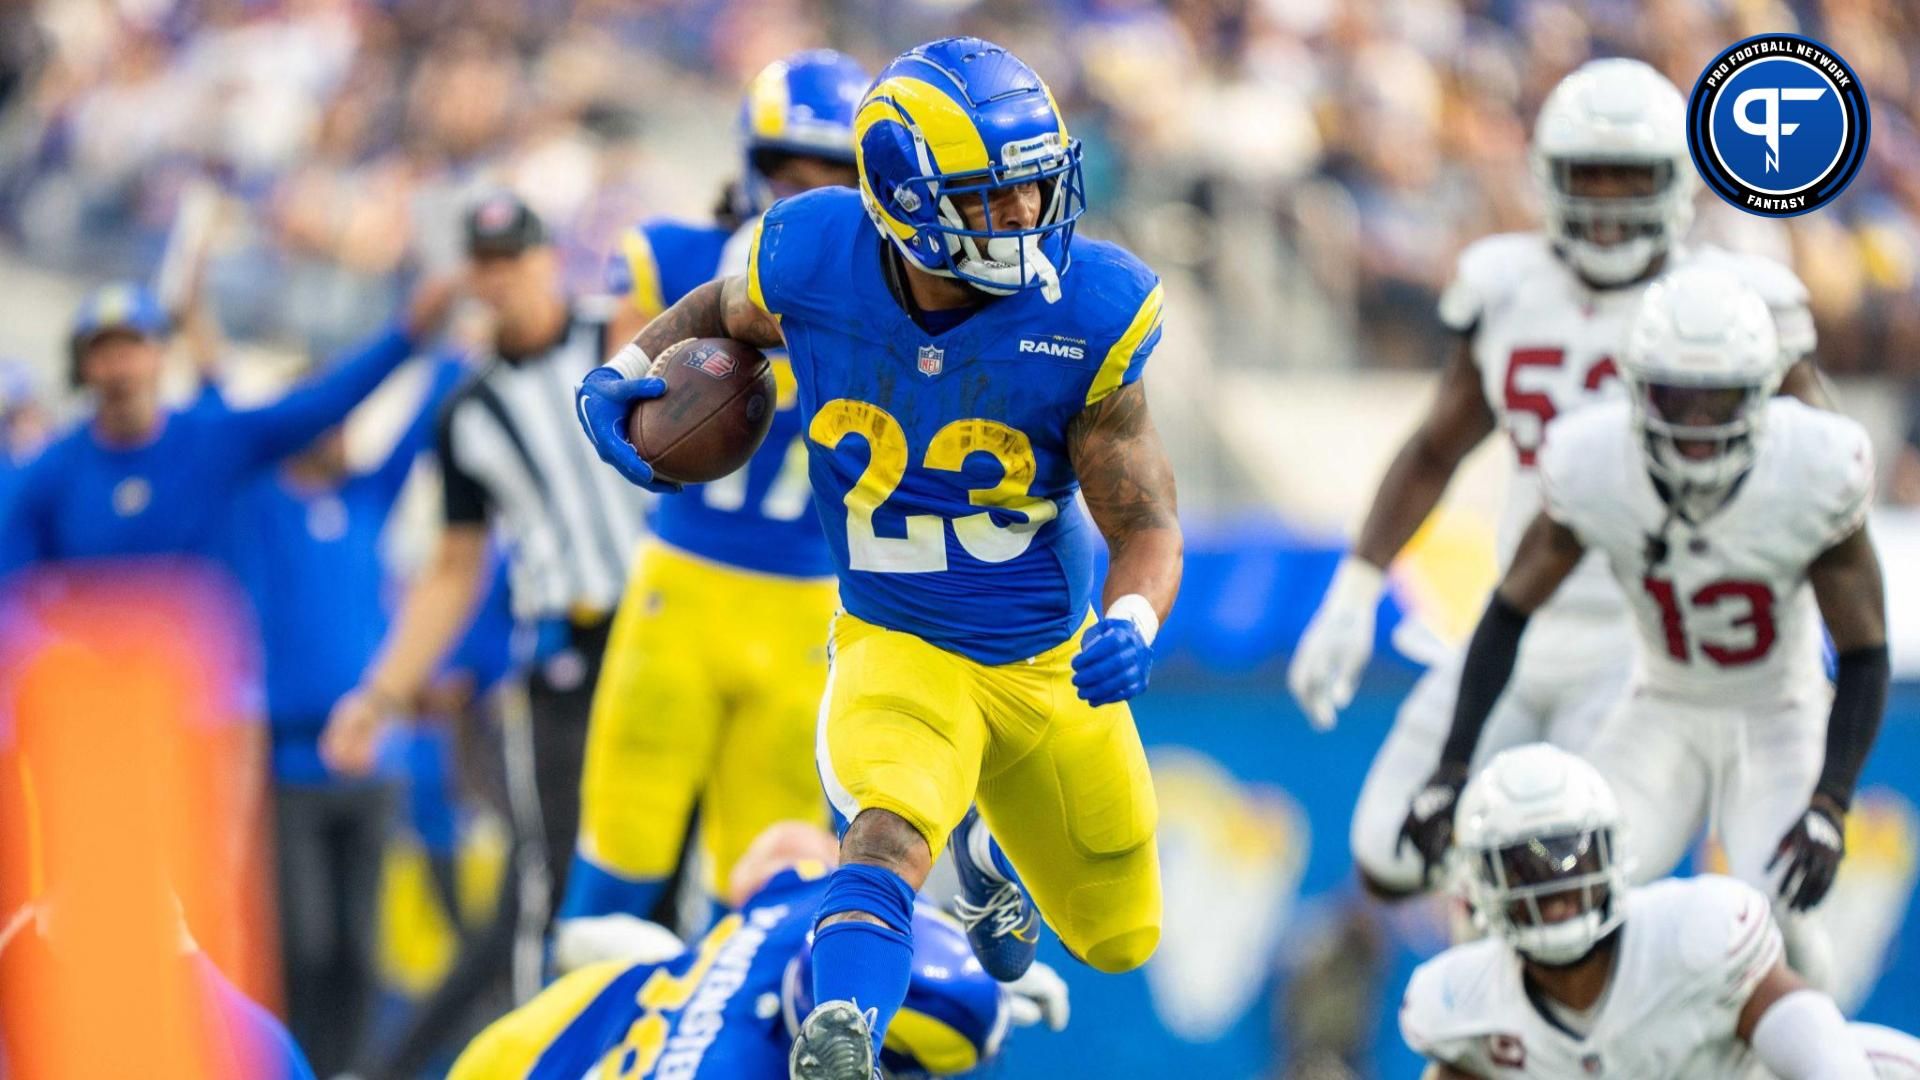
[709, 693]
[922, 732]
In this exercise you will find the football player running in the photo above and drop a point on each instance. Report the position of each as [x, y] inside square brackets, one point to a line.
[727, 1007]
[1543, 318]
[966, 365]
[1585, 976]
[1734, 523]
[717, 658]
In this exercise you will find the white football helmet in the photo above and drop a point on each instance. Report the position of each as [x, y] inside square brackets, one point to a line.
[1536, 846]
[1614, 112]
[1702, 359]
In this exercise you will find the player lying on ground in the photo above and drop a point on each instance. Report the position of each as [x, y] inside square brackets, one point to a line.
[966, 366]
[713, 673]
[1543, 317]
[728, 1007]
[1583, 976]
[1733, 521]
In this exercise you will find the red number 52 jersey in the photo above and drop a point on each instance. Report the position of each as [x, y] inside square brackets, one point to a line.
[1546, 342]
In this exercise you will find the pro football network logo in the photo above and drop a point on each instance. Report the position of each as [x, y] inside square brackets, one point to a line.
[1778, 125]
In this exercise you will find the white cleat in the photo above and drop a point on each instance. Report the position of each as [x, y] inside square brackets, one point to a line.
[835, 1043]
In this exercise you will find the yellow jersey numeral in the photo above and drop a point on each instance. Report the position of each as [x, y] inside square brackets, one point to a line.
[924, 548]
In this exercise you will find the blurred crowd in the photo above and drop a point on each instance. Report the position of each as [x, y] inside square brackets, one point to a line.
[1311, 167]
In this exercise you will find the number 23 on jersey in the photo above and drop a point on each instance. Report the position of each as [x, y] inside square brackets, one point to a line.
[924, 547]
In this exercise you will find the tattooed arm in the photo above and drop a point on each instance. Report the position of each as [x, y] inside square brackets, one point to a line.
[608, 395]
[1128, 484]
[717, 309]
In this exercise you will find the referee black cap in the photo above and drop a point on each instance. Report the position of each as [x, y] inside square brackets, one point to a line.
[502, 224]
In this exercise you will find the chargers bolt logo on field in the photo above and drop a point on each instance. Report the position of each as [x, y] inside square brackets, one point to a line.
[1778, 125]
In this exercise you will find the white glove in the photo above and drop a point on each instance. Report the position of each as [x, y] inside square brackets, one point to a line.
[1337, 643]
[1039, 995]
[592, 939]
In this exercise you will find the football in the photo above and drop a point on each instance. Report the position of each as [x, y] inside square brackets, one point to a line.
[718, 406]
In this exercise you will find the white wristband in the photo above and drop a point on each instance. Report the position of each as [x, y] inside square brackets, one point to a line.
[1357, 584]
[1137, 610]
[632, 362]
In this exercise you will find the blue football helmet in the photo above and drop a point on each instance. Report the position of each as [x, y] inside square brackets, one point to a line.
[804, 105]
[955, 1016]
[961, 118]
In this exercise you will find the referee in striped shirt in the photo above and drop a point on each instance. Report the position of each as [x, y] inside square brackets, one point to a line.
[512, 457]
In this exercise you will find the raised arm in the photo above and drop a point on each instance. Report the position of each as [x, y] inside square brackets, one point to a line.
[1338, 641]
[608, 395]
[1548, 552]
[1129, 490]
[418, 437]
[1847, 585]
[298, 418]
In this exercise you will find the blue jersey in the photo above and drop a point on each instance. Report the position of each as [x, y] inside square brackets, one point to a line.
[710, 1013]
[84, 499]
[939, 461]
[312, 558]
[758, 518]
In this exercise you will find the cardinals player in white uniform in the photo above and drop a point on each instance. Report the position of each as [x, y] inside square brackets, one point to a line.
[1733, 522]
[1543, 318]
[1582, 976]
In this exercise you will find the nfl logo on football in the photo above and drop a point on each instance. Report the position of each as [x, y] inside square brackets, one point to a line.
[931, 357]
[712, 361]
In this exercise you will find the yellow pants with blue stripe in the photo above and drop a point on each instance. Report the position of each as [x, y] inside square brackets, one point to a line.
[913, 729]
[708, 696]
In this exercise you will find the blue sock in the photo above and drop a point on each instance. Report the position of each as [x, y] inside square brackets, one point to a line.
[859, 961]
[593, 890]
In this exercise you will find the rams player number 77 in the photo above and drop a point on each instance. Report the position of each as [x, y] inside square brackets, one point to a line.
[965, 366]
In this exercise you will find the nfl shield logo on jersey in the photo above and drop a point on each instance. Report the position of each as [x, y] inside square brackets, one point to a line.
[931, 358]
[1591, 1063]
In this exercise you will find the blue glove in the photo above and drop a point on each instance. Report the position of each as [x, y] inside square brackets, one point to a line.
[1113, 663]
[603, 404]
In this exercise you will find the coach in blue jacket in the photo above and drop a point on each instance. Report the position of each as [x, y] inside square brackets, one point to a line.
[140, 479]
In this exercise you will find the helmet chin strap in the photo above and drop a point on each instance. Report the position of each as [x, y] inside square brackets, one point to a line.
[1006, 265]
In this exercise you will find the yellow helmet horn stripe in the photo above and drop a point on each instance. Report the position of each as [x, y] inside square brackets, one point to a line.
[875, 111]
[1057, 114]
[952, 140]
[768, 99]
[933, 1043]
